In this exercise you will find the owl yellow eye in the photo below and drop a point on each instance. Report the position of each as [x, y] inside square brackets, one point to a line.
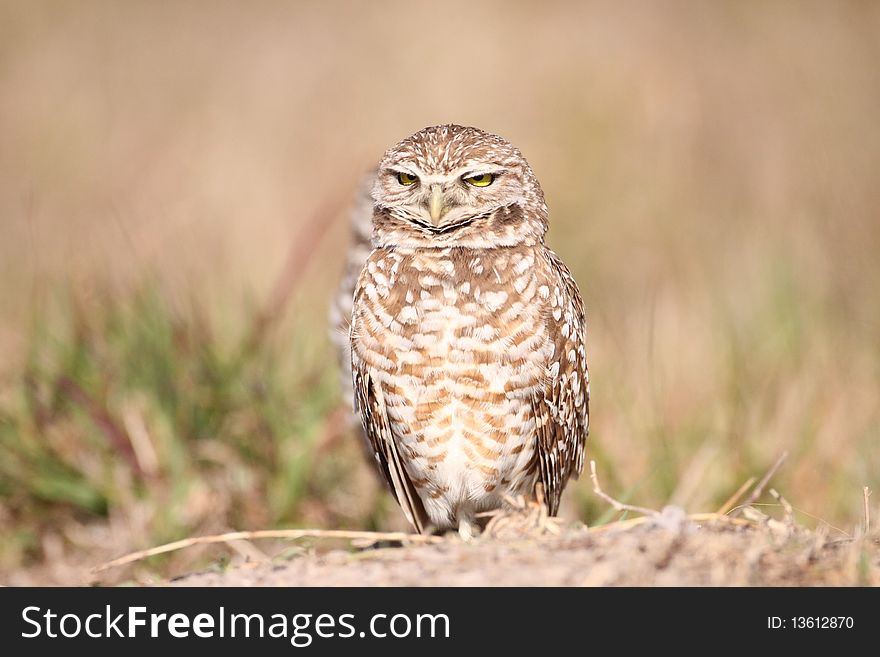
[407, 179]
[482, 180]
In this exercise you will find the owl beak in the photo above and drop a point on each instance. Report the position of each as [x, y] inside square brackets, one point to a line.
[437, 206]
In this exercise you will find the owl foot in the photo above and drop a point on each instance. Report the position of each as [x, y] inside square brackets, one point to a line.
[521, 517]
[468, 530]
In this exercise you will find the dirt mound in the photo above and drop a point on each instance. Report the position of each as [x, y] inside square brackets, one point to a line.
[666, 550]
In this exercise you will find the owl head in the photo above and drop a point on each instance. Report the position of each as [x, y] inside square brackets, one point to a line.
[450, 185]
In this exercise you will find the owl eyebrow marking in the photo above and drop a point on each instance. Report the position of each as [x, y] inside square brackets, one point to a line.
[481, 170]
[395, 169]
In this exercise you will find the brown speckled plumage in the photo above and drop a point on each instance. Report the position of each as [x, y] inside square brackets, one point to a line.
[467, 333]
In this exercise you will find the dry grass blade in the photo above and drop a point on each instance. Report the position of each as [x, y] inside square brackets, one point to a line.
[733, 499]
[249, 551]
[756, 492]
[266, 533]
[786, 506]
[866, 493]
[694, 517]
[620, 506]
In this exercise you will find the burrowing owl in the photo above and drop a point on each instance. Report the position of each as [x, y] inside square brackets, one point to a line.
[467, 333]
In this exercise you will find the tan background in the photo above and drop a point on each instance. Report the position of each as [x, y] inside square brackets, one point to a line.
[711, 169]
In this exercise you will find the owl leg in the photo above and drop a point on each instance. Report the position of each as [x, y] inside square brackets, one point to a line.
[468, 530]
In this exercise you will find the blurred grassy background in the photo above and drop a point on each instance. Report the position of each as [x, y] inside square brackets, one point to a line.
[170, 171]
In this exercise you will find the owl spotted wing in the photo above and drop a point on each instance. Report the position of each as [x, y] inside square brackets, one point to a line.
[370, 402]
[561, 406]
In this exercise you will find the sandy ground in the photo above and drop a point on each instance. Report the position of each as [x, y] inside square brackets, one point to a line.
[666, 550]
